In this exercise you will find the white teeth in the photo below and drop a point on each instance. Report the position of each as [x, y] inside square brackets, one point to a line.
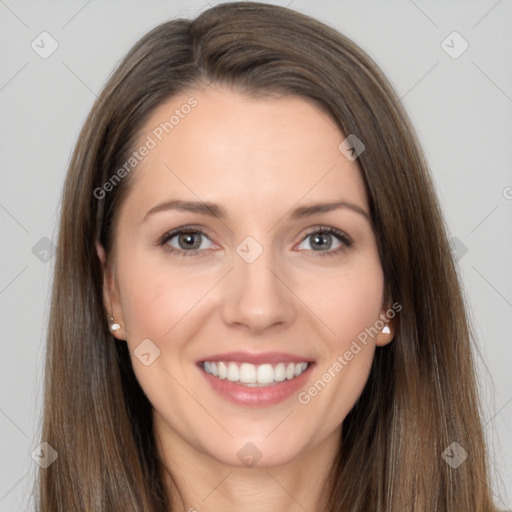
[233, 372]
[280, 372]
[299, 368]
[254, 375]
[265, 374]
[247, 373]
[223, 370]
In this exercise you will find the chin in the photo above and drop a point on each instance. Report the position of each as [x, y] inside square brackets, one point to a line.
[255, 452]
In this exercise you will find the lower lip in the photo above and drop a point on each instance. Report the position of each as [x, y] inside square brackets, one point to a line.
[254, 396]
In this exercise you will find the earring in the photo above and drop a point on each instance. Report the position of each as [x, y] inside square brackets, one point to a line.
[114, 326]
[386, 329]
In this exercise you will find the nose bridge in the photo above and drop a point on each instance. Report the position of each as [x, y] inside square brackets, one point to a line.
[256, 296]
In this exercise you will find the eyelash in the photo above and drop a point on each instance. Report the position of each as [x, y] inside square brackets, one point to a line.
[342, 237]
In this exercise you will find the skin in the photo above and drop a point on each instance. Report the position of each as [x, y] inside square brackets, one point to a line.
[258, 159]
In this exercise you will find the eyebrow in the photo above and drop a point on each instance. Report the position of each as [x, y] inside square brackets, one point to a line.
[216, 211]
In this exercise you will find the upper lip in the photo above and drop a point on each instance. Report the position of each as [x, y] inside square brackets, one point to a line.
[256, 358]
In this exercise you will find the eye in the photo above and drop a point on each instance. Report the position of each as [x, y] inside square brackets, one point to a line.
[192, 241]
[185, 241]
[321, 240]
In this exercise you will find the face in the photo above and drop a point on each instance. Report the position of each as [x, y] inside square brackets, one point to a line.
[249, 311]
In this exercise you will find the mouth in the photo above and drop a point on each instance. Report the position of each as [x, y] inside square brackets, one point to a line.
[255, 376]
[256, 379]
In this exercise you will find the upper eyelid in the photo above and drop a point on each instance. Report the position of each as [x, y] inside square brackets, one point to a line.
[204, 231]
[188, 228]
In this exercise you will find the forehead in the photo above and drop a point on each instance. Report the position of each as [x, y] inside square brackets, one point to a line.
[223, 146]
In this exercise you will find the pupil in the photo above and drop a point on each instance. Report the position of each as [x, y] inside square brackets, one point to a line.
[187, 240]
[317, 239]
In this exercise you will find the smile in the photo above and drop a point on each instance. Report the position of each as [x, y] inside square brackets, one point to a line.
[251, 375]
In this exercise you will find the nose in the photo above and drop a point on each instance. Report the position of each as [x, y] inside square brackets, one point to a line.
[256, 295]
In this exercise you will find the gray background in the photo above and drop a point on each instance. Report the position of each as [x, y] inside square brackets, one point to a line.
[461, 108]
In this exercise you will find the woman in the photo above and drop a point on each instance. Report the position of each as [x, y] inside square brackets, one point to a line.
[255, 305]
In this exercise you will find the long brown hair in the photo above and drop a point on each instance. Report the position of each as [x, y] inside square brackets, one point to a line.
[421, 393]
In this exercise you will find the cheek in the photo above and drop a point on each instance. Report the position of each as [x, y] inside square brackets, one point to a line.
[335, 389]
[349, 303]
[158, 303]
[350, 307]
[156, 296]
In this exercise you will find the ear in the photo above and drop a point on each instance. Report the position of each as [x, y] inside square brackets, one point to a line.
[111, 296]
[387, 322]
